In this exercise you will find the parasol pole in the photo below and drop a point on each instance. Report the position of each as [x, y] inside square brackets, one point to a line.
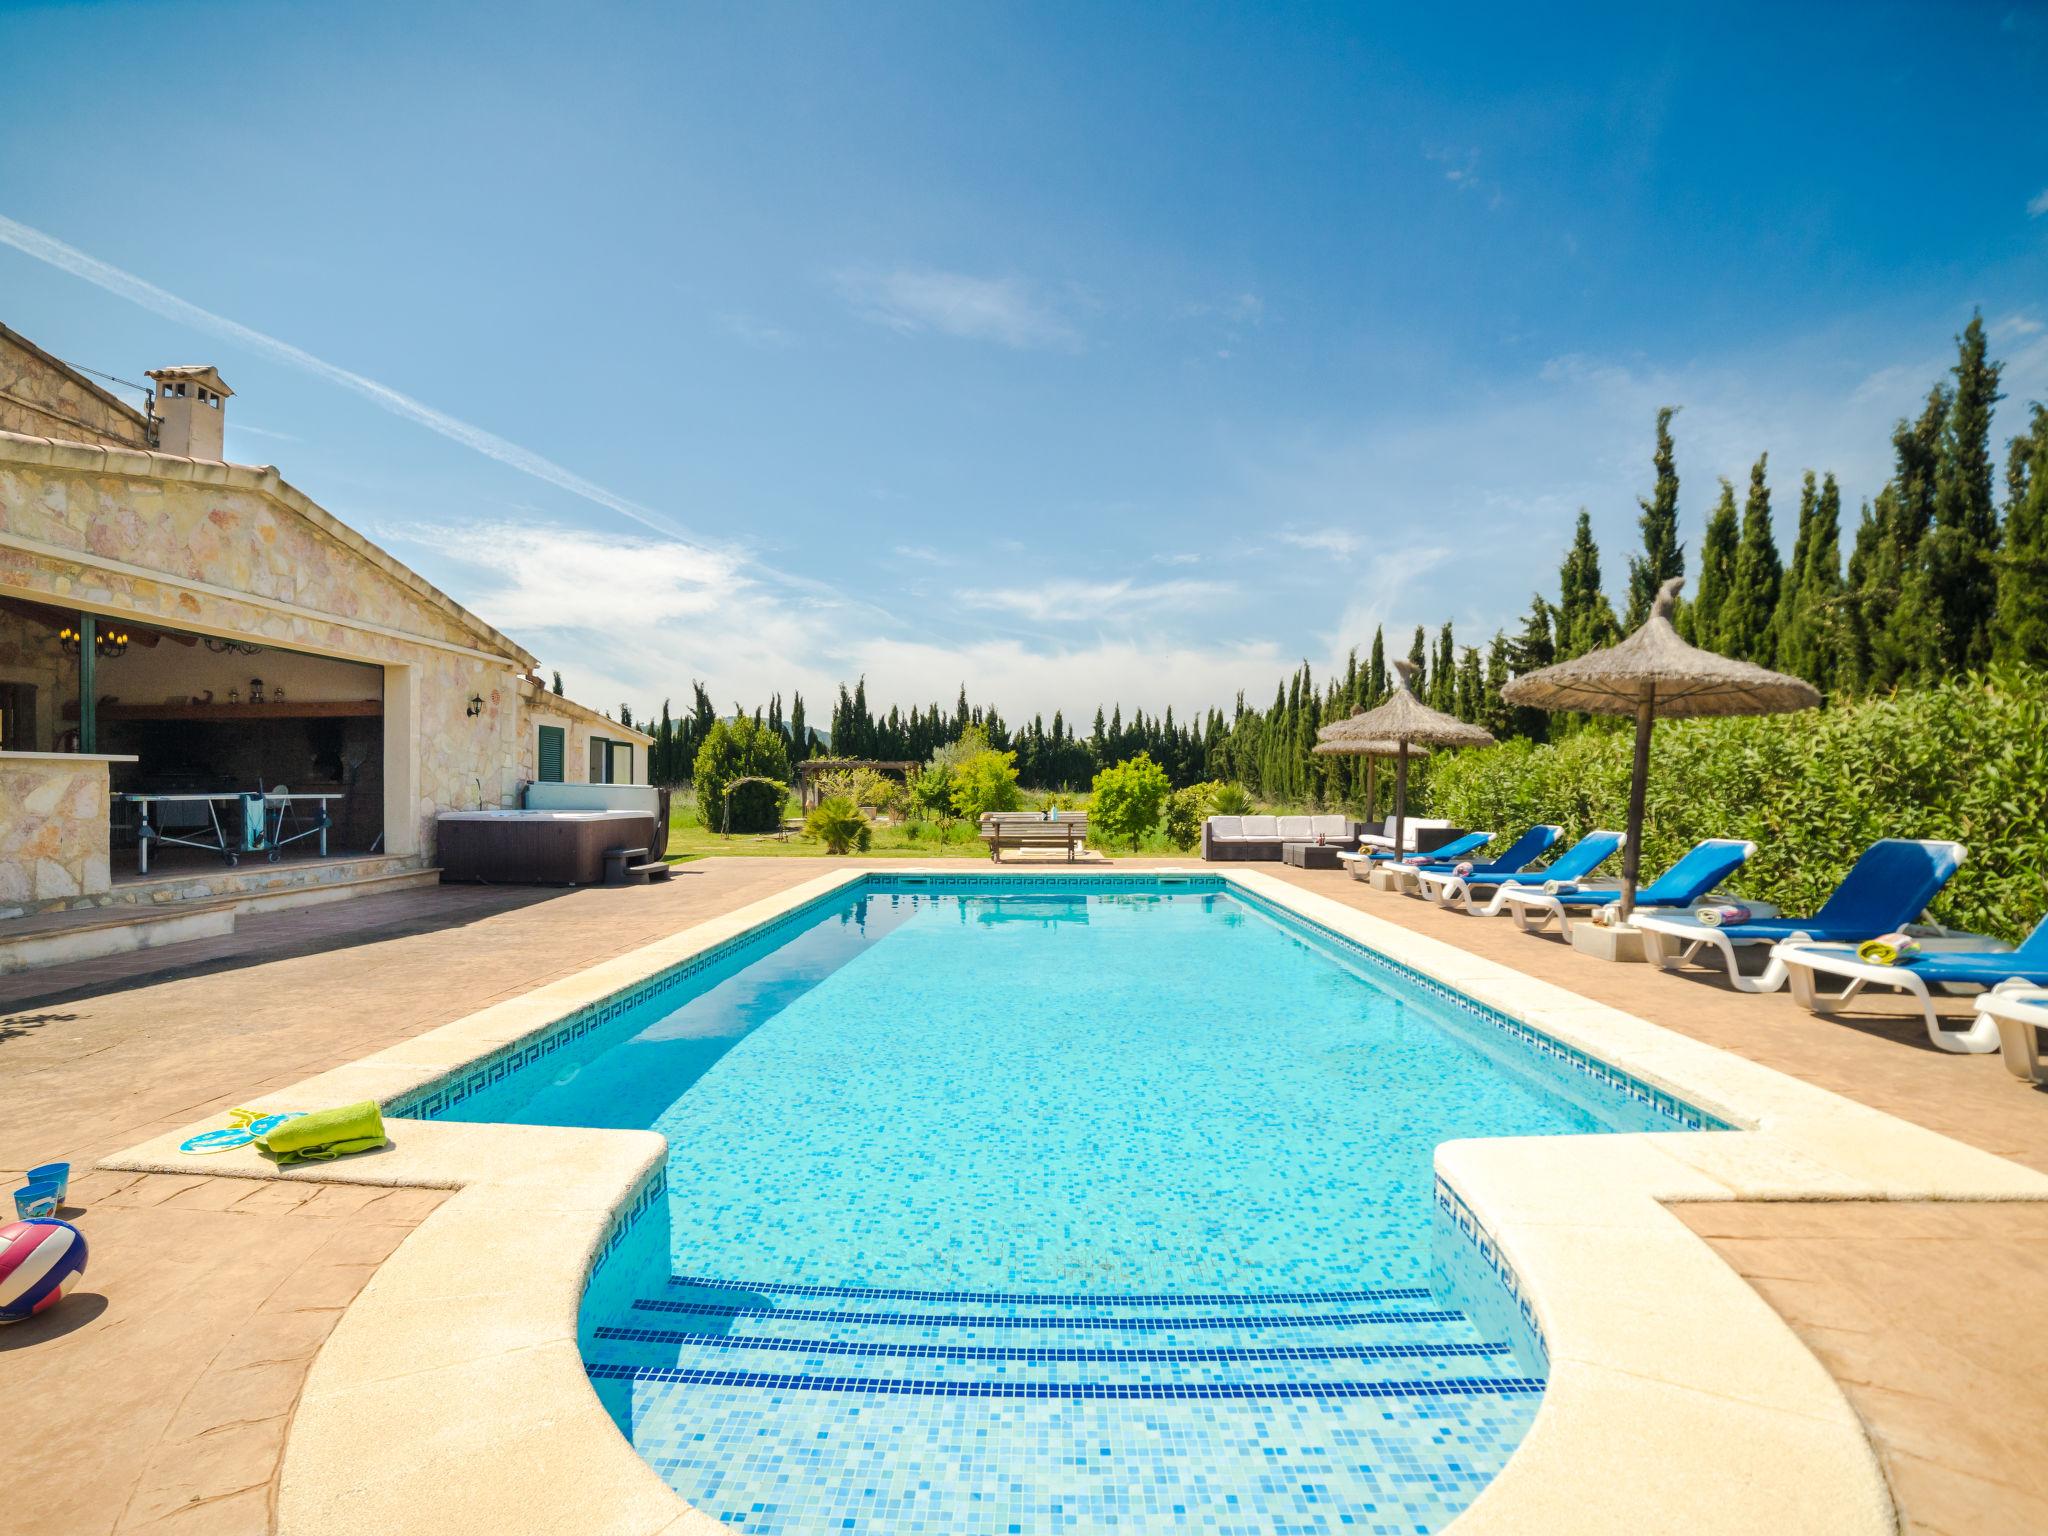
[1372, 768]
[1400, 801]
[1638, 787]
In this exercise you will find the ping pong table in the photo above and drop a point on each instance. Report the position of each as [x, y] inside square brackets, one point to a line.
[247, 829]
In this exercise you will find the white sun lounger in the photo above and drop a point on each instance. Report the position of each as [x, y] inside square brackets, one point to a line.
[1486, 895]
[1804, 964]
[2019, 1012]
[1887, 887]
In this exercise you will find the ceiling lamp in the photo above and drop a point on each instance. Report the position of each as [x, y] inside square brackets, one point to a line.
[111, 641]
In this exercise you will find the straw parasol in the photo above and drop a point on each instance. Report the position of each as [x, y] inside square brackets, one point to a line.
[1405, 721]
[1653, 673]
[1338, 740]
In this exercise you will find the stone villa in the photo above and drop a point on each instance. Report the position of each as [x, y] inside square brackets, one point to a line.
[173, 625]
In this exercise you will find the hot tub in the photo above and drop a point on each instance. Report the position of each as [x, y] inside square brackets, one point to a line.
[508, 847]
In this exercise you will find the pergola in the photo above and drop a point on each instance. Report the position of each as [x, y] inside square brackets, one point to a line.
[809, 771]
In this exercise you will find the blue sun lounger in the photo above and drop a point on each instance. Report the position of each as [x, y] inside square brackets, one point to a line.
[1568, 868]
[1446, 853]
[1516, 857]
[1887, 888]
[1512, 860]
[1920, 974]
[1704, 866]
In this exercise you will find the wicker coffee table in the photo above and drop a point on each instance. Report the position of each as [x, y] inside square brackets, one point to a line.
[1310, 855]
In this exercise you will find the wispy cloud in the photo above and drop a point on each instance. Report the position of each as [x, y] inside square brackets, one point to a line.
[2038, 204]
[44, 248]
[923, 554]
[915, 300]
[1069, 601]
[755, 332]
[697, 614]
[1335, 542]
[1245, 308]
[1461, 170]
[1177, 557]
[239, 425]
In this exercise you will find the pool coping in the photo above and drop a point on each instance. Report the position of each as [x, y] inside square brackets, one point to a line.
[451, 1395]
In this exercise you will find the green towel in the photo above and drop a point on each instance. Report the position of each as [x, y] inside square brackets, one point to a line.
[327, 1133]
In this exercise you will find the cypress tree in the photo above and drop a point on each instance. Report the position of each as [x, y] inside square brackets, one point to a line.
[1376, 669]
[2020, 634]
[1960, 558]
[1703, 615]
[1443, 673]
[1663, 556]
[1471, 685]
[1748, 616]
[558, 682]
[1813, 641]
[1585, 618]
[1906, 646]
[1418, 657]
[1493, 710]
[1534, 647]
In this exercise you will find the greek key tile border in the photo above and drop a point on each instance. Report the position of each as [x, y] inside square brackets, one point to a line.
[646, 1199]
[1459, 1218]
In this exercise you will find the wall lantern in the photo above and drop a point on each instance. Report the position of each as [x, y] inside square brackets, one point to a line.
[476, 705]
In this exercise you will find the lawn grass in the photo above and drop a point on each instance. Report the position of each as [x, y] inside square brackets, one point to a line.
[689, 838]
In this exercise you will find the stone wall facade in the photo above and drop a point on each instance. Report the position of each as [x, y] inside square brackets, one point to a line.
[234, 551]
[42, 397]
[53, 832]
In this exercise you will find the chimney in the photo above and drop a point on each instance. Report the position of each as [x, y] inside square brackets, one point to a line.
[190, 411]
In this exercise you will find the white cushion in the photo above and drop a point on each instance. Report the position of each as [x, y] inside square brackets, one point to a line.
[1297, 826]
[1225, 827]
[1329, 826]
[1262, 827]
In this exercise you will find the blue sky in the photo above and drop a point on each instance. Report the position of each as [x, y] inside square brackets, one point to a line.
[1083, 353]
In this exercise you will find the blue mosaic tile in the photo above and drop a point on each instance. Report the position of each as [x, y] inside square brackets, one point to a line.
[971, 1308]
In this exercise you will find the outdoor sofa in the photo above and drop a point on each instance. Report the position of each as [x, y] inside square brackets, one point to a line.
[1259, 839]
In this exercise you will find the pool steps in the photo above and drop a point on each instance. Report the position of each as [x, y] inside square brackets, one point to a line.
[1382, 1342]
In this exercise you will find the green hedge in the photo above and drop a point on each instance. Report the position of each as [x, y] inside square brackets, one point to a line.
[1967, 761]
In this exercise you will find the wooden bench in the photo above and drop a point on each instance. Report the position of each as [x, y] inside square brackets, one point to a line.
[1030, 829]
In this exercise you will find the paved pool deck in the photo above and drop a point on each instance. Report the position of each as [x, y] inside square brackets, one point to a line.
[166, 1385]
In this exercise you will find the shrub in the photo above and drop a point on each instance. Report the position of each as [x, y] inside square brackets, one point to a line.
[1127, 798]
[1231, 800]
[931, 792]
[837, 823]
[971, 742]
[985, 782]
[1185, 811]
[1967, 760]
[864, 786]
[737, 749]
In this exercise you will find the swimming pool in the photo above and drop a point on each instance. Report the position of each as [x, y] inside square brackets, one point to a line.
[998, 1204]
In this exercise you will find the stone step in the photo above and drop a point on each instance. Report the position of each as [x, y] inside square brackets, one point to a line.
[1346, 1360]
[1446, 1388]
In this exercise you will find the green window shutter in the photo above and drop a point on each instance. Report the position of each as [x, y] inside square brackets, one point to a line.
[549, 770]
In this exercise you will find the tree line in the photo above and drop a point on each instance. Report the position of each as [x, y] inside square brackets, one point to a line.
[1946, 573]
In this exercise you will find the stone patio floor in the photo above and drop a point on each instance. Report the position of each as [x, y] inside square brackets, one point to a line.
[163, 1387]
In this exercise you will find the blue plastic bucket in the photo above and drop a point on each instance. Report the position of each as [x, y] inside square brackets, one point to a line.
[58, 1174]
[33, 1200]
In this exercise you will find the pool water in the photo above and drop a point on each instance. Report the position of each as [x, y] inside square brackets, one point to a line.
[1026, 1210]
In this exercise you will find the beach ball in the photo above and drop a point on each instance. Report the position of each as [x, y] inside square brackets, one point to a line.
[36, 1258]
